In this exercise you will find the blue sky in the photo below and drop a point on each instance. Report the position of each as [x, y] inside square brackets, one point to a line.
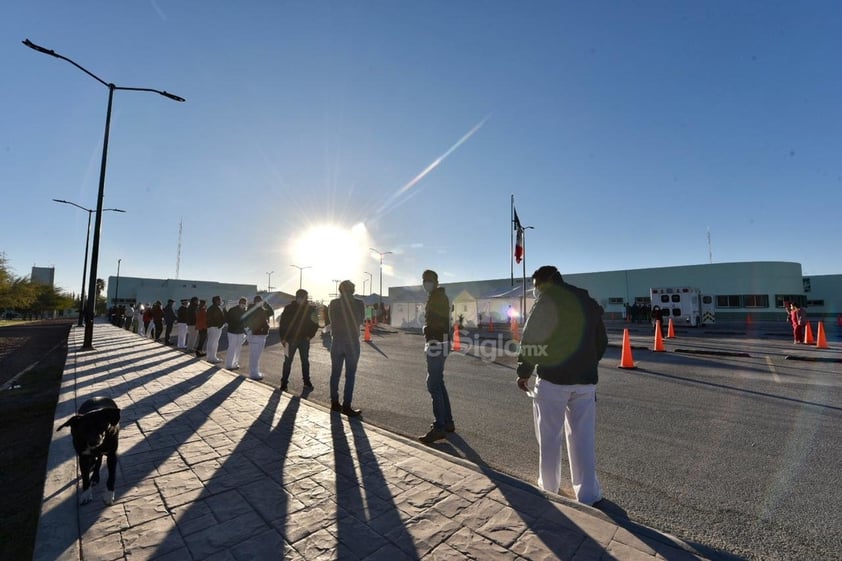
[315, 130]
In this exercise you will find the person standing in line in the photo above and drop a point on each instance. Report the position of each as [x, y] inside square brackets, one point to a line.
[436, 347]
[565, 339]
[257, 320]
[181, 326]
[158, 319]
[147, 320]
[216, 320]
[236, 334]
[128, 317]
[192, 332]
[201, 327]
[137, 322]
[169, 320]
[297, 327]
[345, 314]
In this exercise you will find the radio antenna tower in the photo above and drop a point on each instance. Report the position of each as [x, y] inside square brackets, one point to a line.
[178, 253]
[710, 249]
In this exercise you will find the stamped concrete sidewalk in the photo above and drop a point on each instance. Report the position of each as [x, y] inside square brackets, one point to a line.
[217, 467]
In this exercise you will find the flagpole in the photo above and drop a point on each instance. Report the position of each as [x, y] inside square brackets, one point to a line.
[512, 240]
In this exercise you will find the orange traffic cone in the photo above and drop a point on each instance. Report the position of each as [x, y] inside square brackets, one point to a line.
[839, 320]
[670, 330]
[808, 335]
[626, 360]
[367, 336]
[659, 338]
[821, 342]
[515, 330]
[748, 319]
[457, 342]
[490, 324]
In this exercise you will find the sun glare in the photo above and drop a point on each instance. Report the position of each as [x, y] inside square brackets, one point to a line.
[333, 251]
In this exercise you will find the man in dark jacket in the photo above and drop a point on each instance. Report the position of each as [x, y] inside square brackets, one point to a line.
[216, 319]
[297, 327]
[236, 334]
[169, 320]
[181, 325]
[345, 314]
[436, 347]
[192, 332]
[257, 319]
[564, 338]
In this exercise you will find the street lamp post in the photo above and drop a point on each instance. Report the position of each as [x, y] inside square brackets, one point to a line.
[380, 295]
[370, 276]
[87, 240]
[335, 287]
[269, 282]
[301, 274]
[87, 344]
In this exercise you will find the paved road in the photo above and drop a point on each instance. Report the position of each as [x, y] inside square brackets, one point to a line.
[736, 453]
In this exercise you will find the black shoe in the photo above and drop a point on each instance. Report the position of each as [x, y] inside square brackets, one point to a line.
[432, 435]
[308, 385]
[449, 427]
[350, 411]
[283, 387]
[335, 406]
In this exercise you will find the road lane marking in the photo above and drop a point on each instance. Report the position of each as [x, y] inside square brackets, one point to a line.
[775, 376]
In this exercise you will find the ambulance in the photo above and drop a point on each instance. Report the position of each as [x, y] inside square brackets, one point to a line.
[685, 305]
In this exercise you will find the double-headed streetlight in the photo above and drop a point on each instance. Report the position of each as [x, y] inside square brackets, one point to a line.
[380, 295]
[301, 274]
[87, 344]
[87, 239]
[369, 283]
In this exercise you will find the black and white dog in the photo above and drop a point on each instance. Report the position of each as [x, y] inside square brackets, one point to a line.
[96, 431]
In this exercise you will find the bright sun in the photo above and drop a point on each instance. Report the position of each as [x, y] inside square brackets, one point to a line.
[332, 251]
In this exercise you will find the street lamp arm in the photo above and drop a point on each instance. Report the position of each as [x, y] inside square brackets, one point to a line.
[51, 52]
[74, 204]
[153, 90]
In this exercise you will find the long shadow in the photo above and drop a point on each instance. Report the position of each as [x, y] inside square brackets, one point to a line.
[376, 348]
[152, 458]
[359, 507]
[109, 374]
[548, 523]
[738, 390]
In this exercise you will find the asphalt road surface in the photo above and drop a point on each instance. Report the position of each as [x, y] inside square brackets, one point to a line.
[722, 440]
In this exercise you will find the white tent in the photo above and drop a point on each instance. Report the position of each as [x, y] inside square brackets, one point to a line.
[501, 306]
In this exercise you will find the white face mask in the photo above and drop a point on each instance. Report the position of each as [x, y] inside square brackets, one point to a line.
[429, 286]
[536, 291]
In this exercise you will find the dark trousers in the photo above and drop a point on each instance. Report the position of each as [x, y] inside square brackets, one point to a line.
[303, 347]
[200, 341]
[167, 334]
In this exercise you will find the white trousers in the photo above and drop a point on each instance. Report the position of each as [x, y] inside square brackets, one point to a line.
[256, 344]
[213, 342]
[181, 333]
[235, 345]
[192, 336]
[567, 413]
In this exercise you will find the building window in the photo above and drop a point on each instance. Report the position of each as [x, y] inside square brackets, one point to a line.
[781, 298]
[727, 301]
[615, 300]
[815, 303]
[755, 300]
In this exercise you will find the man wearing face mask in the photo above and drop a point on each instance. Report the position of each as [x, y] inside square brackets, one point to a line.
[564, 338]
[297, 327]
[345, 314]
[236, 334]
[436, 347]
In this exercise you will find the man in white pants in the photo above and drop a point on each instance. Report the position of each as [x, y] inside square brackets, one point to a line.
[216, 319]
[181, 325]
[564, 338]
[257, 320]
[236, 334]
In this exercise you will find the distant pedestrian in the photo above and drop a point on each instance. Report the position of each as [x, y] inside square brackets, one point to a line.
[345, 314]
[147, 320]
[236, 334]
[137, 321]
[201, 327]
[216, 321]
[257, 320]
[157, 319]
[296, 327]
[192, 333]
[798, 317]
[436, 347]
[181, 326]
[565, 338]
[169, 320]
